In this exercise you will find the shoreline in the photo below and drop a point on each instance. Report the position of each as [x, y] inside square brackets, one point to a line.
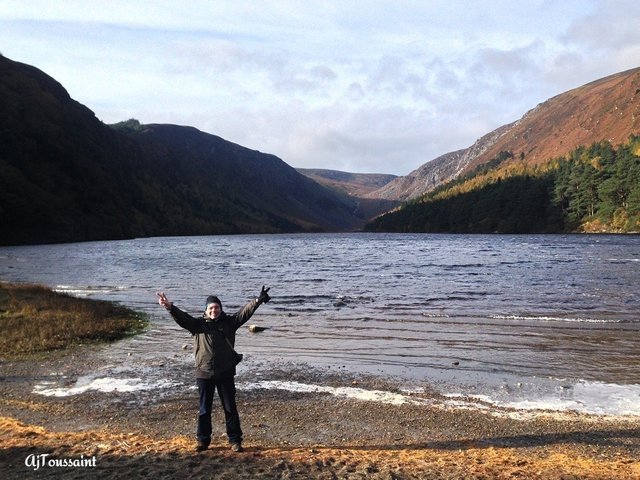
[298, 434]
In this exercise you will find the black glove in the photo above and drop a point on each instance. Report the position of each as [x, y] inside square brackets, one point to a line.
[264, 296]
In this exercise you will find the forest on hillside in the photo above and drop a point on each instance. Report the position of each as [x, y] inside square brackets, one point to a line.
[594, 188]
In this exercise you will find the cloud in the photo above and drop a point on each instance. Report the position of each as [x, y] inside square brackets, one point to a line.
[612, 25]
[364, 85]
[602, 41]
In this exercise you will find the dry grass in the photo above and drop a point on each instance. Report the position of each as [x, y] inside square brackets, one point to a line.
[134, 455]
[35, 319]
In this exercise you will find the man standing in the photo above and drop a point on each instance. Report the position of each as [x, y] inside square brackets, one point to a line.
[214, 336]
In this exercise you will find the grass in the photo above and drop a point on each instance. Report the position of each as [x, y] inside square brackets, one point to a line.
[35, 319]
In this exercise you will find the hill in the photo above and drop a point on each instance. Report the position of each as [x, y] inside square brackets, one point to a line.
[604, 110]
[66, 176]
[354, 188]
[353, 184]
[592, 189]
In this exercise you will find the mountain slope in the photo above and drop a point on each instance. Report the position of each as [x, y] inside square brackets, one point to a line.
[354, 188]
[594, 189]
[604, 110]
[66, 176]
[353, 184]
[245, 175]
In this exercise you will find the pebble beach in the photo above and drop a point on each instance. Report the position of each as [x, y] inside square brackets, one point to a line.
[316, 434]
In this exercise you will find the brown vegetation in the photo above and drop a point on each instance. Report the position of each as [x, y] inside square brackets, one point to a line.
[34, 319]
[139, 456]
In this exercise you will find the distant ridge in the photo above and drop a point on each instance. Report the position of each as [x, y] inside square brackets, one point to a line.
[354, 189]
[356, 184]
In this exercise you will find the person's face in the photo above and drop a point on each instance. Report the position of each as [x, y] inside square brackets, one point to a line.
[212, 311]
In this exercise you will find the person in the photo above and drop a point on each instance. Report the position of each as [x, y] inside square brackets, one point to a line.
[213, 339]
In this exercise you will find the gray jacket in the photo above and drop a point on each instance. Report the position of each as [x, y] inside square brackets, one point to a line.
[215, 358]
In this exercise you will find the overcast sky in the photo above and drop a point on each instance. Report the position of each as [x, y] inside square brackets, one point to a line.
[361, 86]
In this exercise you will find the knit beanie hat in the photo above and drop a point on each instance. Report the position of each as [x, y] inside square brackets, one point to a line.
[213, 299]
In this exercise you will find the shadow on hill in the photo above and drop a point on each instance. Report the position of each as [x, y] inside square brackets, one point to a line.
[514, 205]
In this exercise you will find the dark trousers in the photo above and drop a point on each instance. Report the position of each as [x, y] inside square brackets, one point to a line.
[227, 393]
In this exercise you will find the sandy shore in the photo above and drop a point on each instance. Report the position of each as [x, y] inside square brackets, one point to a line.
[312, 435]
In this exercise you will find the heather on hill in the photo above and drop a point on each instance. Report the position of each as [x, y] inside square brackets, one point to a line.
[592, 189]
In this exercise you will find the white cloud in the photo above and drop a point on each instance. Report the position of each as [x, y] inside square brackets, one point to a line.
[612, 24]
[362, 85]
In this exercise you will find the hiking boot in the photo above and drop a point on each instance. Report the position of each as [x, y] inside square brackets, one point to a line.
[201, 446]
[237, 447]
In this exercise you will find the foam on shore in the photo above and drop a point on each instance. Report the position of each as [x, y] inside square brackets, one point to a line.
[341, 392]
[583, 397]
[591, 398]
[103, 384]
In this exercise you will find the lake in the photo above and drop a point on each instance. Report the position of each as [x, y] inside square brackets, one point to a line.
[530, 321]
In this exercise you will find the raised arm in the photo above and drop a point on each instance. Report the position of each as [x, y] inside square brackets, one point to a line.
[245, 313]
[186, 321]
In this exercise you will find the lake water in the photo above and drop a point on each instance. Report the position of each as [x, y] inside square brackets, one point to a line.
[548, 321]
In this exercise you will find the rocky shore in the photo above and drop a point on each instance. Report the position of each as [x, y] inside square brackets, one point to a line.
[303, 434]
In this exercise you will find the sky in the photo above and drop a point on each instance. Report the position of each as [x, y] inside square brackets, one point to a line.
[360, 86]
